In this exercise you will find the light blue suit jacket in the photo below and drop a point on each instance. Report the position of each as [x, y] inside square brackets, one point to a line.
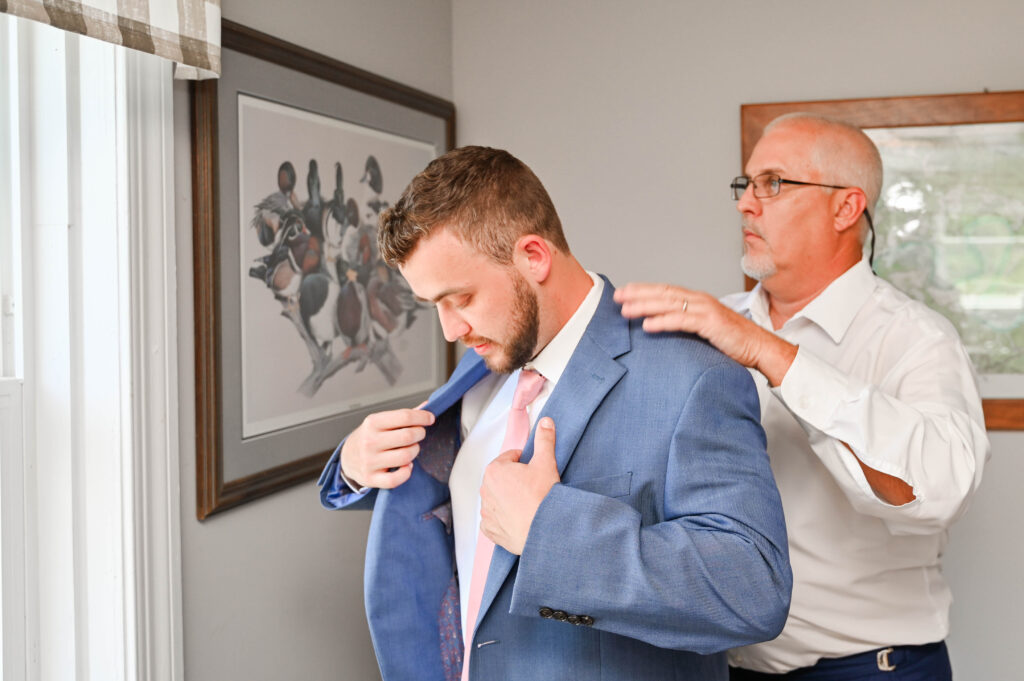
[664, 541]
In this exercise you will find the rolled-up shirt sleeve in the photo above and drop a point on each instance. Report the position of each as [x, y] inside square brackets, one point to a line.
[921, 422]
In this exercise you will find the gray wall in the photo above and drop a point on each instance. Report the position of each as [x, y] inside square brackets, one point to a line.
[273, 590]
[629, 112]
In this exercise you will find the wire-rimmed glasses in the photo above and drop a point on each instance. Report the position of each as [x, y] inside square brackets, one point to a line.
[767, 185]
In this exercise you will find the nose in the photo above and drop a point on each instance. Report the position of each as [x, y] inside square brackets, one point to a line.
[748, 203]
[452, 325]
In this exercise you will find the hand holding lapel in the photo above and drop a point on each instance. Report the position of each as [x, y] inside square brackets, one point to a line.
[512, 491]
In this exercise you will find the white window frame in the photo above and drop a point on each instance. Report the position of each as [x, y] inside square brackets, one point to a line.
[12, 530]
[95, 551]
[13, 646]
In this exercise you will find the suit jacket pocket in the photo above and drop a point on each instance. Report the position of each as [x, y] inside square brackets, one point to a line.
[609, 486]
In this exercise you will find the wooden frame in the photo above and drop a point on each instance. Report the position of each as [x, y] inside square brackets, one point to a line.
[292, 67]
[895, 112]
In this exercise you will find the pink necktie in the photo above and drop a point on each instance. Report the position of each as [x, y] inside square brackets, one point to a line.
[516, 432]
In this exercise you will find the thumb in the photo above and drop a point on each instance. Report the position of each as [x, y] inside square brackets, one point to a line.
[544, 444]
[511, 455]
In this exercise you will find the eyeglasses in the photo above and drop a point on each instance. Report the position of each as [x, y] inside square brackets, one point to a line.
[768, 185]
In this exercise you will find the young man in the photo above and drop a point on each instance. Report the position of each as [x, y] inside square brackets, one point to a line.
[637, 536]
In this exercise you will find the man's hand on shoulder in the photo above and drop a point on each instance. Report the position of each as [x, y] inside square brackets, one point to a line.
[672, 308]
[379, 453]
[512, 492]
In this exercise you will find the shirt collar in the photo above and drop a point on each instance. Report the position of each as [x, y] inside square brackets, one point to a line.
[552, 360]
[833, 309]
[754, 306]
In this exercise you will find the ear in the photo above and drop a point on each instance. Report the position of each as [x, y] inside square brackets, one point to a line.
[532, 256]
[849, 205]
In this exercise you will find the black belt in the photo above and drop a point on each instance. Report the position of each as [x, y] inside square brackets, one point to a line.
[882, 659]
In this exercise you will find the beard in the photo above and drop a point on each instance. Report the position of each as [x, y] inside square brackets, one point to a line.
[757, 267]
[522, 341]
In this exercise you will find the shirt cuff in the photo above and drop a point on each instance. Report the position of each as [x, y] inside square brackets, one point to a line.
[823, 399]
[813, 389]
[356, 489]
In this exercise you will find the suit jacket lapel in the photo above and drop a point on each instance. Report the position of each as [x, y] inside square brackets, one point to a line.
[591, 373]
[437, 452]
[468, 373]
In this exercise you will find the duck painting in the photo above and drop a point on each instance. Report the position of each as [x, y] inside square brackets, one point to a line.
[323, 266]
[269, 212]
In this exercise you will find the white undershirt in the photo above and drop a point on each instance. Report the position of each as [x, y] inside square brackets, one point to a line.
[484, 415]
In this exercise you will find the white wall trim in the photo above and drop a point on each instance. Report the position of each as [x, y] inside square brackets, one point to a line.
[49, 494]
[10, 210]
[154, 390]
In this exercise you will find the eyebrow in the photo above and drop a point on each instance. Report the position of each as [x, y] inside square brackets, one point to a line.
[439, 296]
[768, 171]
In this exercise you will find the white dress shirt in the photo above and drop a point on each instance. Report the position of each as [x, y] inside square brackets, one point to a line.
[890, 378]
[484, 415]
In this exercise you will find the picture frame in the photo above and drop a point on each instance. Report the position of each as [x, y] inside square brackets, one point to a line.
[300, 330]
[950, 111]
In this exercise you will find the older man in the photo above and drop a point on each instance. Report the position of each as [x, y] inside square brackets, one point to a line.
[875, 429]
[638, 543]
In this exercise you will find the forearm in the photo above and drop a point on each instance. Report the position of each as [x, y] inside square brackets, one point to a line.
[888, 488]
[703, 584]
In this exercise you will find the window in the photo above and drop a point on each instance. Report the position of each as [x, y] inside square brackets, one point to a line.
[90, 579]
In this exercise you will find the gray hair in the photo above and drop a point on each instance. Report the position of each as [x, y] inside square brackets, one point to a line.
[842, 153]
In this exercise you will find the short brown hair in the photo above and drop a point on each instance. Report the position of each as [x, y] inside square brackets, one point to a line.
[487, 197]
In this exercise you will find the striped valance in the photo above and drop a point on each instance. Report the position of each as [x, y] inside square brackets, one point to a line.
[185, 31]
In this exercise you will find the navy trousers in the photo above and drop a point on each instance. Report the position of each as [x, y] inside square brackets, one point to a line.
[909, 663]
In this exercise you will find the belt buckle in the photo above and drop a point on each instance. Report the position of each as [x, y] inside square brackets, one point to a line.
[883, 660]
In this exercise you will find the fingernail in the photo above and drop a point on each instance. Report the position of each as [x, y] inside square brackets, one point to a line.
[547, 423]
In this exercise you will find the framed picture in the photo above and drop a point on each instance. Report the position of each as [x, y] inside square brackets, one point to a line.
[301, 330]
[950, 220]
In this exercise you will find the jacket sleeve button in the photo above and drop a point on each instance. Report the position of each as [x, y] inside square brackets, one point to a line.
[546, 613]
[559, 615]
[586, 620]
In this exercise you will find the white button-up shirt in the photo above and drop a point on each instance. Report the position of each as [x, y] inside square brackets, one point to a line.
[890, 378]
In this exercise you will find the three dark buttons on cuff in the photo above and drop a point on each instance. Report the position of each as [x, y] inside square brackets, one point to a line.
[563, 616]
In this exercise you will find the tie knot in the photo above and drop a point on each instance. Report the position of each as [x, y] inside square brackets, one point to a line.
[527, 389]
